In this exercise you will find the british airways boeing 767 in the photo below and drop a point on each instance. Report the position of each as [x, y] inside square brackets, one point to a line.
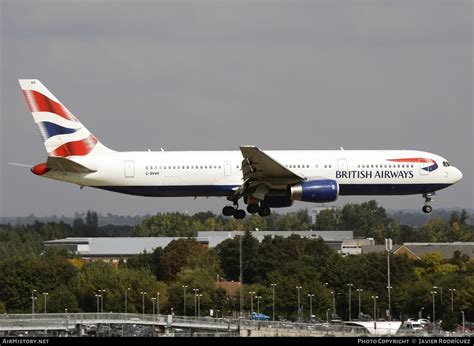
[262, 179]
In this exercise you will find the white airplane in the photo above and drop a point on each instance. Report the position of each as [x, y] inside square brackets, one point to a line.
[263, 179]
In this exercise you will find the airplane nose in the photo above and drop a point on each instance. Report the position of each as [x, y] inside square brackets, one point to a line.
[457, 175]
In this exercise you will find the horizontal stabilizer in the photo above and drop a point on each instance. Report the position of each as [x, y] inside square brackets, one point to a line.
[20, 164]
[65, 165]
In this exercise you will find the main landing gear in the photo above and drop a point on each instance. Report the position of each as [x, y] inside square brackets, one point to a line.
[251, 209]
[427, 208]
[234, 211]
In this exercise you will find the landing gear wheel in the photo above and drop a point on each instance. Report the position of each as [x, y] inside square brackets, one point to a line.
[252, 208]
[264, 211]
[228, 210]
[239, 214]
[428, 198]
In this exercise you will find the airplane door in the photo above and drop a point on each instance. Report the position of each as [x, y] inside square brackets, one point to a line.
[129, 169]
[342, 164]
[424, 165]
[227, 168]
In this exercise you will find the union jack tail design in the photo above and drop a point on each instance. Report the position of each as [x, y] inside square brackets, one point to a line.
[63, 134]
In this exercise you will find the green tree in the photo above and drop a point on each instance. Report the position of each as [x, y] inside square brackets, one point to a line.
[195, 279]
[449, 322]
[184, 253]
[328, 220]
[99, 276]
[229, 257]
[58, 300]
[250, 247]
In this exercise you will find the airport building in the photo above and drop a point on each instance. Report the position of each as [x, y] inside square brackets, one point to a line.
[417, 250]
[114, 249]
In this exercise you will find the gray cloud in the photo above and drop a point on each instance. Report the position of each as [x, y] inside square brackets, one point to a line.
[214, 75]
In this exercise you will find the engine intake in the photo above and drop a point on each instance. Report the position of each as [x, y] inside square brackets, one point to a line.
[316, 191]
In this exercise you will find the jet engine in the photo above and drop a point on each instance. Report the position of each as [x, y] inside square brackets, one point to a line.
[316, 191]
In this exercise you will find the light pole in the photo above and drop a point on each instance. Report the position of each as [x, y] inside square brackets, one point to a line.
[102, 300]
[463, 321]
[195, 301]
[273, 291]
[350, 301]
[299, 305]
[98, 302]
[333, 303]
[45, 294]
[143, 293]
[388, 248]
[310, 306]
[440, 295]
[251, 302]
[434, 302]
[33, 298]
[359, 291]
[327, 315]
[452, 290]
[126, 297]
[153, 300]
[375, 310]
[389, 303]
[241, 278]
[158, 303]
[258, 303]
[199, 304]
[184, 299]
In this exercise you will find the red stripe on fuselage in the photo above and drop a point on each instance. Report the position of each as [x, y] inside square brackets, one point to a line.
[419, 159]
[77, 148]
[41, 103]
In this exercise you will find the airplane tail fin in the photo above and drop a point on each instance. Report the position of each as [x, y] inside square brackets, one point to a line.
[63, 134]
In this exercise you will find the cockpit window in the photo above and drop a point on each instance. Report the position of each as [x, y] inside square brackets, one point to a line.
[445, 163]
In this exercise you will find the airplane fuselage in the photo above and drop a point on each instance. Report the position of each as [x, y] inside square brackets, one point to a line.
[218, 173]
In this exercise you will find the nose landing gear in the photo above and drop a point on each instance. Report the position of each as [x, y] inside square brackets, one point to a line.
[427, 208]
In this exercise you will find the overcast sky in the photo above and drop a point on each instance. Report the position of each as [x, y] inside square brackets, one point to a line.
[202, 75]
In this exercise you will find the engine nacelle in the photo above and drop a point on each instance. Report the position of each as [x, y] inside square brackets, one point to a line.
[317, 191]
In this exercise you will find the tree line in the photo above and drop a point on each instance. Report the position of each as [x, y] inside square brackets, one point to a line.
[185, 265]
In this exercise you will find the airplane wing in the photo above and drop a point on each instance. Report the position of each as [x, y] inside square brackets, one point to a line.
[65, 165]
[260, 170]
[258, 166]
